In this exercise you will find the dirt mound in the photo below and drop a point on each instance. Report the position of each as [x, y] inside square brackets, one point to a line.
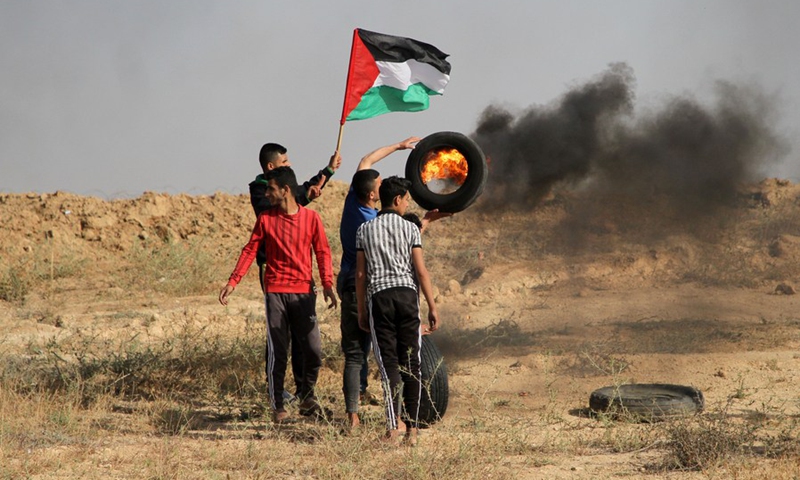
[753, 245]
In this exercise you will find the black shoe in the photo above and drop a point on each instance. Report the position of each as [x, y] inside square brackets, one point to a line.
[310, 407]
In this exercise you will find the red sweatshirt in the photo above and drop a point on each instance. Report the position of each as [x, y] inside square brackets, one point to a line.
[288, 241]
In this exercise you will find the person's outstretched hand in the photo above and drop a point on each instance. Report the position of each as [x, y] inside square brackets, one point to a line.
[432, 216]
[225, 293]
[408, 143]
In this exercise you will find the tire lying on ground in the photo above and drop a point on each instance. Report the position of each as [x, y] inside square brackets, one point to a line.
[648, 402]
[435, 387]
[467, 193]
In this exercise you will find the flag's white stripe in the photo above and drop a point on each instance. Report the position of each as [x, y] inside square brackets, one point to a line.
[403, 75]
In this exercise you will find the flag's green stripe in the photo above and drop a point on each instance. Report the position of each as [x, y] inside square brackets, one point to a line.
[384, 99]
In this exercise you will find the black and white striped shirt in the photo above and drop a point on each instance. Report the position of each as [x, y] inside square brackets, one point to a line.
[387, 242]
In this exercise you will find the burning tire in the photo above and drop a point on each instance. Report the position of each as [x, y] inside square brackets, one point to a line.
[447, 171]
[435, 387]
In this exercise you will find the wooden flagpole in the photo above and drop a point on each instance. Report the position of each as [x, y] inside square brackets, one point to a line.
[346, 86]
[341, 132]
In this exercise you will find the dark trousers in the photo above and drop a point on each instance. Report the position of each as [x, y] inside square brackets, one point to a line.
[396, 338]
[355, 346]
[297, 354]
[292, 312]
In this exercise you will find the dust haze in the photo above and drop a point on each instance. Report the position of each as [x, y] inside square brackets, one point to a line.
[680, 162]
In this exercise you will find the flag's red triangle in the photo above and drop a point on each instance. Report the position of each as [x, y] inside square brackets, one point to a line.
[361, 75]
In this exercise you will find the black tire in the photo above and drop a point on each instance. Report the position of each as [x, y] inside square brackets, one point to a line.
[435, 387]
[648, 402]
[466, 193]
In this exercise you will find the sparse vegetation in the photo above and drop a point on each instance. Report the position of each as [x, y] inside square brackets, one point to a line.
[707, 442]
[173, 268]
[117, 361]
[14, 285]
[190, 364]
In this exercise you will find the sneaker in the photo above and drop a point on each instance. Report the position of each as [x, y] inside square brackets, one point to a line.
[280, 416]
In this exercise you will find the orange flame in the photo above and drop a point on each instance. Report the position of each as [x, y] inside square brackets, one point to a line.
[445, 164]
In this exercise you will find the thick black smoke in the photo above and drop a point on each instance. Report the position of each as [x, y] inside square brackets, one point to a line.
[681, 156]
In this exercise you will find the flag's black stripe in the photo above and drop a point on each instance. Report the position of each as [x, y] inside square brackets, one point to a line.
[389, 48]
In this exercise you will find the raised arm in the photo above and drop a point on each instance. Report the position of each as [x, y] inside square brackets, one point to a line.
[312, 189]
[376, 156]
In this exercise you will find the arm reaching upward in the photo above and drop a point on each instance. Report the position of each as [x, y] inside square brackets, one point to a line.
[376, 156]
[312, 189]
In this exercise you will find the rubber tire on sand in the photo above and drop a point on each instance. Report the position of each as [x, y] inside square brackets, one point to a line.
[466, 193]
[435, 386]
[648, 402]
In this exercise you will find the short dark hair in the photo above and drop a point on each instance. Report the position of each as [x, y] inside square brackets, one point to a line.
[268, 153]
[364, 182]
[392, 187]
[283, 176]
[413, 218]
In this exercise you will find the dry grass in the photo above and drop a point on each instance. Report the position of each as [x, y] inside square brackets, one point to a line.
[190, 405]
[190, 402]
[22, 275]
[42, 433]
[173, 268]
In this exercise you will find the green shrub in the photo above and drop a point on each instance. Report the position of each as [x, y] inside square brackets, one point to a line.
[15, 284]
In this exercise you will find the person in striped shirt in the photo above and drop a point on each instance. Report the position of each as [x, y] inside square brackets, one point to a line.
[389, 266]
[288, 234]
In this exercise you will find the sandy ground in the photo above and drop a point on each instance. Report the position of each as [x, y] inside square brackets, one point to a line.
[532, 324]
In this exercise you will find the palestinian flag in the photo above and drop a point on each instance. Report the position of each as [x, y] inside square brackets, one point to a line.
[391, 74]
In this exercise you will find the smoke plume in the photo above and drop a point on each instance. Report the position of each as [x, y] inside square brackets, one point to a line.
[681, 157]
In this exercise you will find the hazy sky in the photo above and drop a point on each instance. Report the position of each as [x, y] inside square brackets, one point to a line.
[113, 98]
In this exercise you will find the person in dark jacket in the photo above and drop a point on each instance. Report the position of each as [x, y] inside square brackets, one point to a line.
[271, 156]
